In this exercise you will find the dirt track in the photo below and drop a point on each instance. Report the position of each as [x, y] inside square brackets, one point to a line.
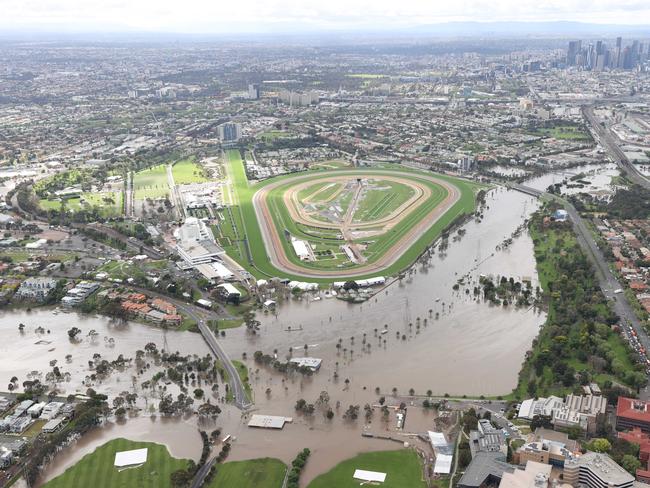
[279, 259]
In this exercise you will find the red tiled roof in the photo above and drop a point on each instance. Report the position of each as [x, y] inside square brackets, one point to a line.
[625, 408]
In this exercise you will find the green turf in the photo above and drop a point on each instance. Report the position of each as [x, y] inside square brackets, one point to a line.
[251, 238]
[319, 192]
[254, 473]
[381, 201]
[376, 248]
[151, 183]
[564, 132]
[186, 172]
[96, 469]
[332, 164]
[109, 203]
[242, 370]
[272, 135]
[402, 468]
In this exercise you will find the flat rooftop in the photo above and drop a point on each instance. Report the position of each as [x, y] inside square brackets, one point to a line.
[268, 421]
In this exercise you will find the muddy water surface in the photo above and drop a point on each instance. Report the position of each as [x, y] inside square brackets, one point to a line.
[471, 348]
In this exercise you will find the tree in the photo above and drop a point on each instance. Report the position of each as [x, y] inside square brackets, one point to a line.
[73, 333]
[599, 445]
[630, 464]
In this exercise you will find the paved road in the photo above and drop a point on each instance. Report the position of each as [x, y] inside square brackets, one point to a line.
[610, 143]
[128, 197]
[236, 384]
[174, 193]
[199, 478]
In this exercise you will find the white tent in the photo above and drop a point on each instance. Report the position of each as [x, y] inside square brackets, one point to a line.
[372, 476]
[131, 458]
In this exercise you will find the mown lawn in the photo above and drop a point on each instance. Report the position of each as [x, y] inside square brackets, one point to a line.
[109, 203]
[186, 172]
[151, 183]
[402, 468]
[255, 473]
[96, 470]
[259, 264]
[242, 370]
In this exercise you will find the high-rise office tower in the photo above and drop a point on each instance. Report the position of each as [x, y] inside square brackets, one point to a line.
[229, 132]
[572, 53]
[254, 91]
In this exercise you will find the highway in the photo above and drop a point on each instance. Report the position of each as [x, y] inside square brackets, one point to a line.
[609, 141]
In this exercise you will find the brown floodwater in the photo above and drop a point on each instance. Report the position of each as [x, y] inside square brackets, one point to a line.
[472, 348]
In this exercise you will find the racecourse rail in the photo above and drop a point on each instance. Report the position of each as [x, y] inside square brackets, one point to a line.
[277, 253]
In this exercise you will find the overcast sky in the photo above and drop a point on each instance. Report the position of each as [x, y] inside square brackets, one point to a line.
[215, 16]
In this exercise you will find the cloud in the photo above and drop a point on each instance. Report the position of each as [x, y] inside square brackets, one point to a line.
[246, 15]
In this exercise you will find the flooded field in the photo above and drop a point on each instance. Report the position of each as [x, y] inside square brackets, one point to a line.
[470, 348]
[599, 177]
[507, 170]
[32, 351]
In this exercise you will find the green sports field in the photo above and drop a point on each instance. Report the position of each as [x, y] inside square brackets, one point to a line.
[255, 473]
[109, 203]
[246, 237]
[186, 172]
[403, 469]
[151, 183]
[96, 470]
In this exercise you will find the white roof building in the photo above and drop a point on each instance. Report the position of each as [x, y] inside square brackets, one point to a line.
[215, 271]
[444, 452]
[542, 406]
[268, 421]
[301, 249]
[312, 363]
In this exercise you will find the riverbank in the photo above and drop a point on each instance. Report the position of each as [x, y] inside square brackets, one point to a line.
[579, 342]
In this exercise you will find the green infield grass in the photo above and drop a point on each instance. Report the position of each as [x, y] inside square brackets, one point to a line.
[254, 473]
[96, 469]
[241, 231]
[403, 469]
[151, 183]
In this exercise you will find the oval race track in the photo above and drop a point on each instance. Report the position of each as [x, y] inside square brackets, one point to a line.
[278, 257]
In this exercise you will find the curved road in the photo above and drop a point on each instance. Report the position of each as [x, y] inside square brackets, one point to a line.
[279, 258]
